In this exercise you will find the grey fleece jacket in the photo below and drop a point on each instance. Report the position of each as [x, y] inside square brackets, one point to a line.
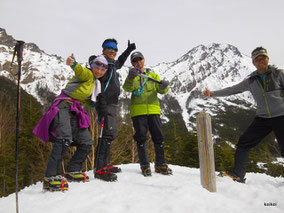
[268, 94]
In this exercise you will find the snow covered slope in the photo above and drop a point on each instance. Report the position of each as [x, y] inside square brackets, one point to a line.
[134, 193]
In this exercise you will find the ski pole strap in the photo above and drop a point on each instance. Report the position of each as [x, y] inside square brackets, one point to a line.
[140, 79]
[108, 81]
[139, 91]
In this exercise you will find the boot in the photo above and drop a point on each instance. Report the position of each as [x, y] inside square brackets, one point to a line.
[233, 176]
[105, 174]
[113, 169]
[146, 171]
[55, 183]
[163, 169]
[241, 161]
[77, 177]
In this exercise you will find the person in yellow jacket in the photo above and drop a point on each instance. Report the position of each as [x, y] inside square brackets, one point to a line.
[145, 113]
[67, 124]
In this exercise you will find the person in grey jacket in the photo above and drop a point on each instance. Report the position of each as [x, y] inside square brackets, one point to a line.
[266, 85]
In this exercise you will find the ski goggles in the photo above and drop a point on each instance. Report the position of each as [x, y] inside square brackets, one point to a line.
[98, 64]
[110, 45]
[112, 48]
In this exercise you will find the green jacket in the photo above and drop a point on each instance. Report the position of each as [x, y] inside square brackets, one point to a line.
[80, 87]
[148, 103]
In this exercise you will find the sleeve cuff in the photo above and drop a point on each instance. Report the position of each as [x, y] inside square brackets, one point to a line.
[74, 64]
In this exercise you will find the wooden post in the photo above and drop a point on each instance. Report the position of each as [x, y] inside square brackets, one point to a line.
[206, 152]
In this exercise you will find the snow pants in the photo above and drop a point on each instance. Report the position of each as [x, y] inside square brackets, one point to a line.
[68, 133]
[259, 128]
[109, 134]
[142, 124]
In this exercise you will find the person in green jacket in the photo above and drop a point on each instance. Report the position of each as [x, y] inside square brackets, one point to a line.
[145, 113]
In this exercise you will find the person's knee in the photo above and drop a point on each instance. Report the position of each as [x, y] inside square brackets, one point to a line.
[85, 148]
[141, 144]
[140, 138]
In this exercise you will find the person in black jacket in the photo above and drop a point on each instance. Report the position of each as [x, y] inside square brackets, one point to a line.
[107, 107]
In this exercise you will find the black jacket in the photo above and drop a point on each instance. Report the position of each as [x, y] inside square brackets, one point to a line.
[110, 81]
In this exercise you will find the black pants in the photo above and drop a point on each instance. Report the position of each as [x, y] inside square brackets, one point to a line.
[102, 153]
[141, 125]
[110, 125]
[109, 133]
[259, 128]
[58, 151]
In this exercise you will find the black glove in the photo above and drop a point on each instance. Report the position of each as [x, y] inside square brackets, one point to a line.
[132, 74]
[102, 105]
[164, 84]
[131, 46]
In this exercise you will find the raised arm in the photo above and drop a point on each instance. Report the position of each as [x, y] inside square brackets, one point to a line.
[122, 58]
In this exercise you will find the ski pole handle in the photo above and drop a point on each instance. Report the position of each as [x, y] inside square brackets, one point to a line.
[149, 78]
[18, 50]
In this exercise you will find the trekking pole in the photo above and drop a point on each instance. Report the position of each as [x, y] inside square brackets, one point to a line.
[19, 51]
[149, 78]
[101, 125]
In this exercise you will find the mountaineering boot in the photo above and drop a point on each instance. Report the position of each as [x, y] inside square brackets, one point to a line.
[233, 176]
[105, 174]
[146, 171]
[113, 169]
[77, 177]
[55, 183]
[163, 169]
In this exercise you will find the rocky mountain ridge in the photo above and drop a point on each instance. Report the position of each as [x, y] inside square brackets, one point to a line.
[214, 66]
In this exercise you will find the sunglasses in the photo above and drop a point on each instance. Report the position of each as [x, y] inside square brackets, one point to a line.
[137, 59]
[111, 48]
[99, 64]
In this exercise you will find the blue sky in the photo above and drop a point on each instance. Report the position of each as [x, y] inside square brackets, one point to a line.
[163, 30]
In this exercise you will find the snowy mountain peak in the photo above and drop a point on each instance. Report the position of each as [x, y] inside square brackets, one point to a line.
[39, 70]
[6, 39]
[214, 66]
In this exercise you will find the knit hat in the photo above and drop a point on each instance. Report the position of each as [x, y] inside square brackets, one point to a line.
[100, 61]
[136, 55]
[257, 52]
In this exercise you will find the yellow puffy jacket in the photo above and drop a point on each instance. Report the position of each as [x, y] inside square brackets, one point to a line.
[80, 87]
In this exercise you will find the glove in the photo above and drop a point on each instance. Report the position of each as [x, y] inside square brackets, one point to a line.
[164, 84]
[102, 105]
[131, 46]
[132, 74]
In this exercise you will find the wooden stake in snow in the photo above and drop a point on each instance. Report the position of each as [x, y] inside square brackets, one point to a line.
[206, 152]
